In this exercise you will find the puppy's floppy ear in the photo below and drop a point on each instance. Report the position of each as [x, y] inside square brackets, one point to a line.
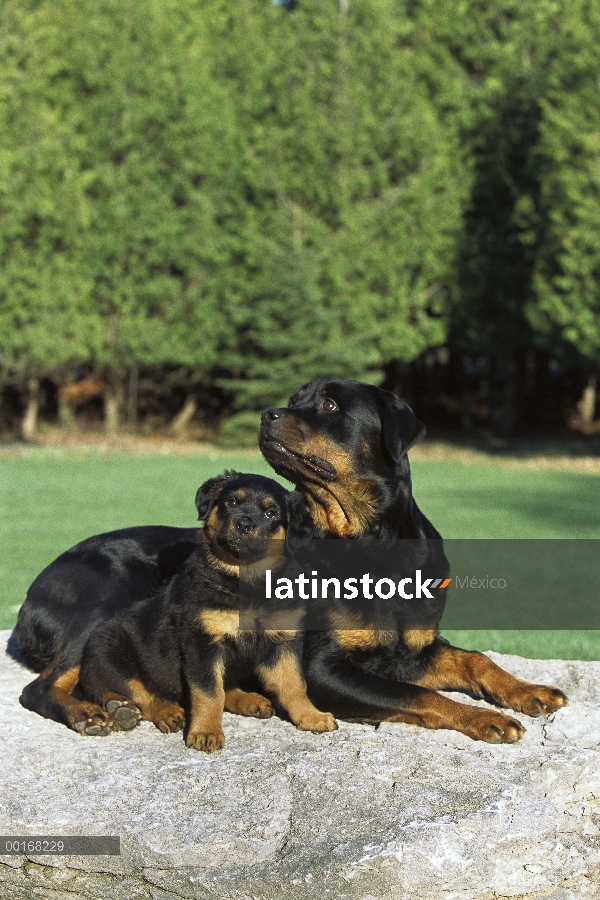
[400, 427]
[300, 527]
[206, 493]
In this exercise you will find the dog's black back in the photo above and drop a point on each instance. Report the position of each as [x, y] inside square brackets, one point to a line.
[91, 582]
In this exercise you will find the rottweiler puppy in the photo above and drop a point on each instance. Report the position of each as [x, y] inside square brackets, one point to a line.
[344, 444]
[180, 656]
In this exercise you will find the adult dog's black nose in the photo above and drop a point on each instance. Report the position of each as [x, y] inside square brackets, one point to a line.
[270, 414]
[244, 525]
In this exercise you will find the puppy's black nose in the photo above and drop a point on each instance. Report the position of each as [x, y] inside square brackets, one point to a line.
[270, 414]
[244, 525]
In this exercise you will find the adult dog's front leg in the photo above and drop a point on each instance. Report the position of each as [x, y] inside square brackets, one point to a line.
[453, 669]
[353, 694]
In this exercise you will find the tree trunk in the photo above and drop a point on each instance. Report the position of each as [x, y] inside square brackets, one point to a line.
[113, 402]
[30, 419]
[587, 405]
[66, 413]
[184, 416]
[132, 399]
[466, 416]
[510, 397]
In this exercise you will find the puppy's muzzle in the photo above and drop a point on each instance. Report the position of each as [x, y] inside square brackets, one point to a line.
[244, 525]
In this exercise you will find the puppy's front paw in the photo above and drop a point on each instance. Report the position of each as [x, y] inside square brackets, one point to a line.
[248, 704]
[256, 705]
[207, 741]
[317, 722]
[168, 718]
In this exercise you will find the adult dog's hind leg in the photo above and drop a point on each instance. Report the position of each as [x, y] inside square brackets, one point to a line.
[453, 669]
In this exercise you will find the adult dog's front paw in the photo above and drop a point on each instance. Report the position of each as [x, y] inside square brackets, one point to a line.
[490, 726]
[535, 699]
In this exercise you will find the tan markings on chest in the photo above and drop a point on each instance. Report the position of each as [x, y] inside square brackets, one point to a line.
[282, 625]
[352, 635]
[345, 509]
[220, 623]
[417, 638]
[278, 626]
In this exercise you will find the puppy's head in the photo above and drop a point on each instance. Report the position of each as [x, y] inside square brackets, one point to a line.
[335, 430]
[249, 518]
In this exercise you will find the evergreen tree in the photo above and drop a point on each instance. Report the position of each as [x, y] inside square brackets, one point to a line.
[567, 271]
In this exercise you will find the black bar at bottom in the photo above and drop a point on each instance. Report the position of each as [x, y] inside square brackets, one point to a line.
[60, 845]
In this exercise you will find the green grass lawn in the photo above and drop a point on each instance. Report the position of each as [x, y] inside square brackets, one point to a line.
[50, 500]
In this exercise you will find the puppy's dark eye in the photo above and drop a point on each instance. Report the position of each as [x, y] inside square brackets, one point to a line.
[269, 514]
[329, 405]
[231, 501]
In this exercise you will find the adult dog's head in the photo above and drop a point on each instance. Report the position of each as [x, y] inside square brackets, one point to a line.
[344, 444]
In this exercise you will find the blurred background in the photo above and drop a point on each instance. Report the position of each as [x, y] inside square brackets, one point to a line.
[205, 204]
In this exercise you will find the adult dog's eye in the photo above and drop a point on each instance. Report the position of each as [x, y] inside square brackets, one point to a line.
[329, 405]
[231, 501]
[269, 514]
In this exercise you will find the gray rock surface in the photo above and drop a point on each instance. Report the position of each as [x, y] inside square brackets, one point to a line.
[394, 812]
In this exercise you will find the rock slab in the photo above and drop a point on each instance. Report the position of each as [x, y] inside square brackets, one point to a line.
[394, 812]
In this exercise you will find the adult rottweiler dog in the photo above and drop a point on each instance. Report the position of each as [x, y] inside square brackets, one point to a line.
[192, 643]
[344, 445]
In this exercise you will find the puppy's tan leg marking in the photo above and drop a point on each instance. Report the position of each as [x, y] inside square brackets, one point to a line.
[167, 717]
[206, 725]
[285, 681]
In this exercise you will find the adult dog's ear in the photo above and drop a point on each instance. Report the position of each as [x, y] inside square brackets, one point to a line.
[207, 493]
[400, 428]
[300, 527]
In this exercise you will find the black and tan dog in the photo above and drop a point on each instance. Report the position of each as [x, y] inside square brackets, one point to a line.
[177, 655]
[344, 444]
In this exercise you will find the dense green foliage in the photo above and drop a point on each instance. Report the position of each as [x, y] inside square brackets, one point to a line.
[257, 195]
